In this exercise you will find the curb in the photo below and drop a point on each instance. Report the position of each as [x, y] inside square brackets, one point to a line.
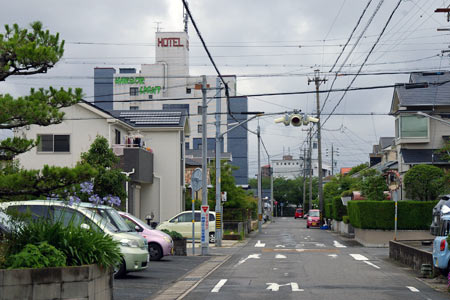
[186, 284]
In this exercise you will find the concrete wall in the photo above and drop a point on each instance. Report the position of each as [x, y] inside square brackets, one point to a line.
[409, 255]
[381, 238]
[85, 282]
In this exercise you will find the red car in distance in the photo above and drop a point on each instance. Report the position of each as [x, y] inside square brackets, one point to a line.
[313, 218]
[298, 213]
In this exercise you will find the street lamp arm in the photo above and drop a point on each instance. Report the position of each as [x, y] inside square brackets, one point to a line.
[420, 113]
[240, 124]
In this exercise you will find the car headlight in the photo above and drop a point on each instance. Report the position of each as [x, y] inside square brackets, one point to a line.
[167, 239]
[129, 243]
[309, 219]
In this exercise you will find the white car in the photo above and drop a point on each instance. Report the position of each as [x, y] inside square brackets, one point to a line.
[182, 223]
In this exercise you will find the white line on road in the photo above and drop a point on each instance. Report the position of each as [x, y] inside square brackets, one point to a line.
[220, 284]
[275, 287]
[259, 244]
[320, 245]
[413, 289]
[359, 257]
[255, 256]
[338, 245]
[332, 255]
[371, 264]
[280, 256]
[280, 246]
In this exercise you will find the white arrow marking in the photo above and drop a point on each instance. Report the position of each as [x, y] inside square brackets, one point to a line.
[220, 284]
[259, 244]
[305, 238]
[358, 257]
[255, 256]
[338, 245]
[275, 287]
[320, 245]
[413, 289]
[332, 255]
[280, 246]
[371, 264]
[280, 256]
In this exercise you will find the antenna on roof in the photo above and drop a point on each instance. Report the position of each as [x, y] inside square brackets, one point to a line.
[185, 18]
[158, 27]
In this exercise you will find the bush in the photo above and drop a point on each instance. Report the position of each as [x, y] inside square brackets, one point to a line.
[32, 256]
[175, 235]
[80, 246]
[339, 210]
[328, 210]
[346, 219]
[412, 215]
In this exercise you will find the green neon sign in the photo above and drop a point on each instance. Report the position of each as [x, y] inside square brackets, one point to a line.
[149, 89]
[130, 80]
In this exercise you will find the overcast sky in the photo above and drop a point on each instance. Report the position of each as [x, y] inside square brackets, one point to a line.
[272, 46]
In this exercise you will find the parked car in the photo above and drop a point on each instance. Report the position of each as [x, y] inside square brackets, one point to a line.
[133, 247]
[298, 213]
[160, 244]
[441, 228]
[182, 223]
[313, 218]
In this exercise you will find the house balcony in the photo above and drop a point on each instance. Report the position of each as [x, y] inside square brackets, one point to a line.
[138, 158]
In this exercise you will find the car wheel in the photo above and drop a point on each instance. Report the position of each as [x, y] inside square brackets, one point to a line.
[307, 226]
[155, 251]
[119, 270]
[212, 237]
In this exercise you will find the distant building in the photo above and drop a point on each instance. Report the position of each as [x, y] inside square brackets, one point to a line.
[287, 167]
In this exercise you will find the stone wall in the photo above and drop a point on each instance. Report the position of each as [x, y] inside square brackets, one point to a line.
[381, 238]
[85, 282]
[409, 255]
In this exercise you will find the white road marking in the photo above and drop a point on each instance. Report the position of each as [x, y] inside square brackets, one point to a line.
[259, 244]
[255, 256]
[305, 238]
[338, 245]
[413, 289]
[275, 287]
[371, 264]
[320, 245]
[280, 246]
[275, 269]
[332, 255]
[220, 284]
[286, 274]
[280, 256]
[358, 257]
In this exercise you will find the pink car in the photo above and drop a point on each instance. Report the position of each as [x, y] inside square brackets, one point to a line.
[313, 218]
[159, 243]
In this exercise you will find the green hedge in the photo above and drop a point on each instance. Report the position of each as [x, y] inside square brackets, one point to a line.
[339, 210]
[412, 215]
[328, 210]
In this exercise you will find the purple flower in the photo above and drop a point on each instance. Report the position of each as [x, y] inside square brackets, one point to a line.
[74, 199]
[87, 187]
[95, 199]
[112, 200]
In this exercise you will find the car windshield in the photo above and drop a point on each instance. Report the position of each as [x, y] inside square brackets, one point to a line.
[314, 213]
[113, 218]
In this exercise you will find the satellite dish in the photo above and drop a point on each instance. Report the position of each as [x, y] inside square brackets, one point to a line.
[196, 179]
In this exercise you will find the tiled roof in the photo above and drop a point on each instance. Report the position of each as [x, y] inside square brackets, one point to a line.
[151, 118]
[386, 142]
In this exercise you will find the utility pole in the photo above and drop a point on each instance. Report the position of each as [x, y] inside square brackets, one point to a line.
[271, 190]
[204, 159]
[218, 165]
[304, 180]
[317, 81]
[332, 160]
[310, 168]
[259, 181]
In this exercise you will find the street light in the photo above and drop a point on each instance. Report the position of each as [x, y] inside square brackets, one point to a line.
[420, 113]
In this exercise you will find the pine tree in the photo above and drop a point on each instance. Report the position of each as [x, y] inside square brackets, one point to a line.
[27, 52]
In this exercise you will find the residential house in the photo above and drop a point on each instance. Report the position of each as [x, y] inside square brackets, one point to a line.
[417, 137]
[149, 143]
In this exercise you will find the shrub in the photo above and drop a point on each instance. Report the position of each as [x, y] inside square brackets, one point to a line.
[80, 246]
[412, 215]
[346, 219]
[424, 182]
[175, 235]
[339, 210]
[328, 210]
[32, 256]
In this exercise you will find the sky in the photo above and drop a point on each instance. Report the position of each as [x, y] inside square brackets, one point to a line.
[272, 47]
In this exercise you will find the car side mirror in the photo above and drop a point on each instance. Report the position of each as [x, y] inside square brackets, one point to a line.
[85, 226]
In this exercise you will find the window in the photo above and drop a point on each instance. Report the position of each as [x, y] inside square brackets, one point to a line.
[315, 145]
[150, 97]
[413, 127]
[54, 143]
[134, 91]
[188, 90]
[35, 211]
[117, 137]
[199, 110]
[134, 107]
[199, 128]
[211, 217]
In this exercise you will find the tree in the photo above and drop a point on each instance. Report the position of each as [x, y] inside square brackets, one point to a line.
[445, 151]
[109, 179]
[24, 52]
[424, 182]
[357, 169]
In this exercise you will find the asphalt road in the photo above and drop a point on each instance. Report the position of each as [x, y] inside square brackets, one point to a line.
[288, 261]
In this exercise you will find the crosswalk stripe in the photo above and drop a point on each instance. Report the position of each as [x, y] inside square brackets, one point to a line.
[219, 285]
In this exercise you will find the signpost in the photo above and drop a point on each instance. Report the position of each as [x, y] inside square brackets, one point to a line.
[205, 225]
[196, 184]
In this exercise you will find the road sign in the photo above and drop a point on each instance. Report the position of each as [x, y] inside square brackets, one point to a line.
[204, 218]
[196, 179]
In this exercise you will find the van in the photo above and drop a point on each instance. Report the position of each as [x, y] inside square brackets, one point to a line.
[134, 249]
